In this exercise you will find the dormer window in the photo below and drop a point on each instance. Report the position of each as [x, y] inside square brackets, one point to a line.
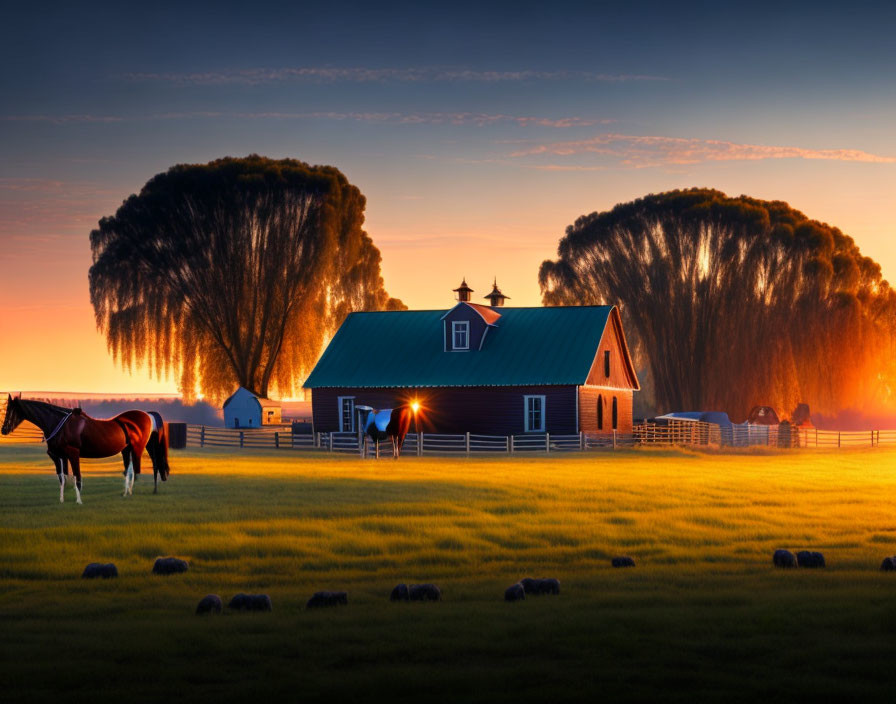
[460, 335]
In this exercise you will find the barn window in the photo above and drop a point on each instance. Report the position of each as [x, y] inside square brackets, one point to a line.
[607, 363]
[460, 335]
[600, 412]
[615, 413]
[347, 414]
[534, 414]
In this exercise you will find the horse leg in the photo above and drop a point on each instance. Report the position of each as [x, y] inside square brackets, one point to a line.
[128, 468]
[75, 459]
[135, 467]
[59, 462]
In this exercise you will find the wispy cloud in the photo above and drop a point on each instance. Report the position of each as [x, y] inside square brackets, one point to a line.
[328, 74]
[476, 119]
[645, 151]
[63, 119]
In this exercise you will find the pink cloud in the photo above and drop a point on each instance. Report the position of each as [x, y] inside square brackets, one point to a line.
[647, 150]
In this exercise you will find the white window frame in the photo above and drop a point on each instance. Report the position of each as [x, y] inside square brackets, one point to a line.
[526, 414]
[341, 426]
[456, 327]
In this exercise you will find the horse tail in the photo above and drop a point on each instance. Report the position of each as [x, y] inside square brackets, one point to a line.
[158, 445]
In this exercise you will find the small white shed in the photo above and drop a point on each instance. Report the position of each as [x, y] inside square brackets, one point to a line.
[246, 410]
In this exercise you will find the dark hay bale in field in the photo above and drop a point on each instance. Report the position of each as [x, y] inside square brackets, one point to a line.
[550, 586]
[400, 593]
[889, 564]
[325, 599]
[170, 565]
[784, 558]
[515, 593]
[540, 586]
[529, 585]
[424, 592]
[623, 561]
[250, 602]
[210, 604]
[98, 569]
[805, 558]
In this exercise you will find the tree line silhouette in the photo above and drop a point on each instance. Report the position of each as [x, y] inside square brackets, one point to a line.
[234, 272]
[734, 302]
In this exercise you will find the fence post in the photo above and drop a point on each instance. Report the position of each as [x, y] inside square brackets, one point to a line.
[872, 438]
[547, 442]
[581, 441]
[838, 438]
[330, 442]
[377, 441]
[508, 444]
[511, 437]
[420, 444]
[202, 436]
[242, 439]
[614, 438]
[277, 440]
[467, 439]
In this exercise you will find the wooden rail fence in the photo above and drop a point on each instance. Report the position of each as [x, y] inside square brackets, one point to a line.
[684, 433]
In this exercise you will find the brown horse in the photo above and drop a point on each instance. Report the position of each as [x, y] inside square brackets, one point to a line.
[71, 434]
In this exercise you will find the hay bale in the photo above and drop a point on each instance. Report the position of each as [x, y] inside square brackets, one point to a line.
[805, 558]
[210, 604]
[623, 561]
[515, 593]
[400, 593]
[99, 570]
[424, 592]
[250, 602]
[326, 599]
[529, 585]
[889, 564]
[170, 565]
[550, 586]
[784, 559]
[540, 586]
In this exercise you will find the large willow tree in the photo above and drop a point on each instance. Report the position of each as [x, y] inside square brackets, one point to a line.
[234, 272]
[734, 302]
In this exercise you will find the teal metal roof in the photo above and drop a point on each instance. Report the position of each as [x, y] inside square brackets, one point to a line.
[527, 346]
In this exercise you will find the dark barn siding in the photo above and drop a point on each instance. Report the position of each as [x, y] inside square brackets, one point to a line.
[482, 410]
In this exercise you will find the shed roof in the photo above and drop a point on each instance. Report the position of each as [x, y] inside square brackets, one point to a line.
[525, 347]
[262, 401]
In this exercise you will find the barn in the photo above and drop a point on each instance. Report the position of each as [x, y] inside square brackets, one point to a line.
[482, 369]
[243, 409]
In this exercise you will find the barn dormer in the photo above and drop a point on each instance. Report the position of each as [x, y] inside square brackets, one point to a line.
[466, 325]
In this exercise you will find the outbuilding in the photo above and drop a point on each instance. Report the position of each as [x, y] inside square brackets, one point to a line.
[247, 410]
[482, 369]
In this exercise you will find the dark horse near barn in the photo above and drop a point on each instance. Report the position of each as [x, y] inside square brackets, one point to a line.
[71, 435]
[392, 423]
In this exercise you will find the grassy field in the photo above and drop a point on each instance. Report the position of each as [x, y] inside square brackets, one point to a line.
[703, 617]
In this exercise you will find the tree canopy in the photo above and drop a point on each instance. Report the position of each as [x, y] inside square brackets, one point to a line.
[234, 272]
[734, 302]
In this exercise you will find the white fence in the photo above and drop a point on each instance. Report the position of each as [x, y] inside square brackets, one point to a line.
[682, 433]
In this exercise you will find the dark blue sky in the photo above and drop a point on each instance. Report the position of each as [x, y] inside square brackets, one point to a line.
[470, 128]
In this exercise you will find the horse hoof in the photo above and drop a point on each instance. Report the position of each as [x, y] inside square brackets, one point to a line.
[79, 502]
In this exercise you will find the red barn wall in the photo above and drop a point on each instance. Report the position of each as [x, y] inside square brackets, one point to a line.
[588, 396]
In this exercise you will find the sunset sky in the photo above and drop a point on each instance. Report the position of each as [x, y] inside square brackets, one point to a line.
[477, 134]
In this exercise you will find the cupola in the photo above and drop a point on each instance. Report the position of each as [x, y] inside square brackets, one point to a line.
[463, 291]
[496, 298]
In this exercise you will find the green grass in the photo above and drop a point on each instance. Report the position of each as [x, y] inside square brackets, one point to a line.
[704, 616]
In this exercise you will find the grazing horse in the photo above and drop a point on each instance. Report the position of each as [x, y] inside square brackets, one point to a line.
[392, 423]
[71, 434]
